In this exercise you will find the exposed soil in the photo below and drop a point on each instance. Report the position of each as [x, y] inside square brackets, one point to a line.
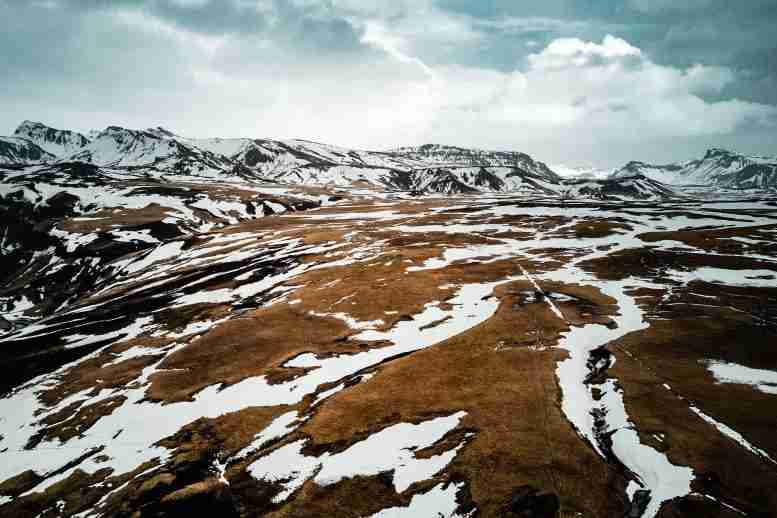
[274, 298]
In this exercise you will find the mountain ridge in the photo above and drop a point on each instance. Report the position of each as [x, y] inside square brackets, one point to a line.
[430, 168]
[55, 141]
[717, 168]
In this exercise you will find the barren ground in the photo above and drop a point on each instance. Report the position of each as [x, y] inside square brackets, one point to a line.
[472, 356]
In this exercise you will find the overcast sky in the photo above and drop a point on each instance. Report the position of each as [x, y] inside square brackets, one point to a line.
[580, 82]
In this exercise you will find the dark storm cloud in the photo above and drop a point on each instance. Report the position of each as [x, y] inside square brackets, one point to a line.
[83, 53]
[274, 18]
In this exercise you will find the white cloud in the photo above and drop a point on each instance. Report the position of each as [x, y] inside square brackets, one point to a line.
[408, 29]
[376, 35]
[571, 87]
[574, 52]
[531, 24]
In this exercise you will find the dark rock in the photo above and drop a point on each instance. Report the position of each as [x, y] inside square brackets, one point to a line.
[638, 504]
[5, 325]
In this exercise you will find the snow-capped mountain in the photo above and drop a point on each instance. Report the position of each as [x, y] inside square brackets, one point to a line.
[301, 161]
[429, 168]
[311, 163]
[60, 143]
[637, 187]
[718, 167]
[425, 169]
[157, 148]
[17, 150]
[442, 155]
[473, 179]
[582, 172]
[499, 164]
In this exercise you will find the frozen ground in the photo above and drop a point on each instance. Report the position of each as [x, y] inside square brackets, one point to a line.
[252, 346]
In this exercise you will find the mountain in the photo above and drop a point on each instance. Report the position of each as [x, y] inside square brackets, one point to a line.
[474, 179]
[57, 142]
[637, 187]
[17, 150]
[426, 169]
[302, 162]
[587, 172]
[718, 168]
[475, 157]
[421, 170]
[155, 149]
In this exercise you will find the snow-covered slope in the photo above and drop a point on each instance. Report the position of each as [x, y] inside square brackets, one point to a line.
[718, 167]
[156, 149]
[460, 180]
[585, 172]
[17, 150]
[279, 156]
[65, 222]
[60, 143]
[637, 187]
[426, 169]
[442, 154]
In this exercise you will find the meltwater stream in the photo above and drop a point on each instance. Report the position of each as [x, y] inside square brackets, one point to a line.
[655, 473]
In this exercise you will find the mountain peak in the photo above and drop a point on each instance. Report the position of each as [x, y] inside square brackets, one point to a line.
[718, 167]
[27, 125]
[161, 132]
[58, 142]
[122, 133]
[716, 152]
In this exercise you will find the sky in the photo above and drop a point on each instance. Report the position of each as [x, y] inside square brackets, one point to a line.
[578, 82]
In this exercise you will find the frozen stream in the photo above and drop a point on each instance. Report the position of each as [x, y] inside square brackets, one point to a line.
[663, 479]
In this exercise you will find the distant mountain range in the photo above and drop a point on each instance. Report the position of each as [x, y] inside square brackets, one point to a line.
[426, 169]
[629, 187]
[585, 172]
[718, 167]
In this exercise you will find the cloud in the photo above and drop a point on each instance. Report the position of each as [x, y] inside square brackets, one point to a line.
[138, 20]
[377, 74]
[573, 52]
[376, 35]
[669, 5]
[574, 87]
[530, 24]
